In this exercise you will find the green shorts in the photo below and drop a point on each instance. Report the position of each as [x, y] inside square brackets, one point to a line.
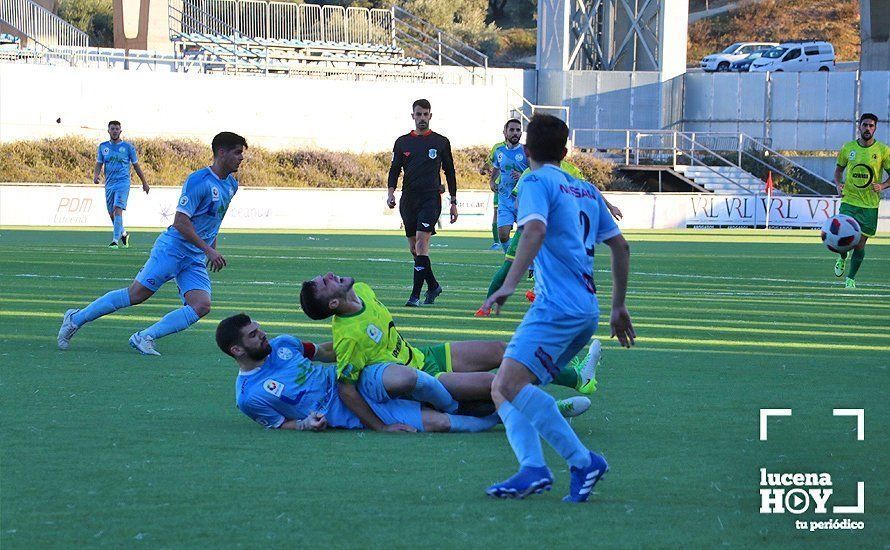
[436, 359]
[867, 217]
[514, 243]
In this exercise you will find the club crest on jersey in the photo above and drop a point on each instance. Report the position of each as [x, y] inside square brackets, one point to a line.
[274, 387]
[214, 193]
[432, 153]
[374, 333]
[520, 157]
[285, 353]
[122, 150]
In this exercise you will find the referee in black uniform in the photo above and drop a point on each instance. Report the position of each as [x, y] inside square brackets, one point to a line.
[422, 154]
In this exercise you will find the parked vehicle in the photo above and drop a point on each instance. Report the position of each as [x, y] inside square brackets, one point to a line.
[796, 57]
[736, 52]
[744, 65]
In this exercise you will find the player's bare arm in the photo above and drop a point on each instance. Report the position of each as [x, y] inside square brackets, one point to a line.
[139, 173]
[621, 325]
[315, 422]
[357, 404]
[183, 223]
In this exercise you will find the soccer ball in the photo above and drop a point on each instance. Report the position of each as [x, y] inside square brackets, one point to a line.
[841, 233]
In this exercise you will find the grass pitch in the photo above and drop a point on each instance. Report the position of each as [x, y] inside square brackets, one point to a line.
[101, 446]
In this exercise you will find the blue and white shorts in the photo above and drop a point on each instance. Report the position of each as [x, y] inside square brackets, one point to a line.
[116, 197]
[390, 410]
[167, 263]
[546, 340]
[507, 212]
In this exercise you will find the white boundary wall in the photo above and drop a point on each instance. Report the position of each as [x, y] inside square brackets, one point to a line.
[253, 208]
[275, 112]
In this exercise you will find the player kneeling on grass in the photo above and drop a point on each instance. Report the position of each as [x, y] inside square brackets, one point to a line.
[365, 337]
[289, 384]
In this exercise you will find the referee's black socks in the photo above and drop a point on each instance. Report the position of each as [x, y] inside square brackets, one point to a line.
[423, 272]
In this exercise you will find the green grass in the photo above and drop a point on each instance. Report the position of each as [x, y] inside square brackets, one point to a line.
[101, 446]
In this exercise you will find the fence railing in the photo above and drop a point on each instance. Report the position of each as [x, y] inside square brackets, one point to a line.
[710, 150]
[39, 25]
[423, 40]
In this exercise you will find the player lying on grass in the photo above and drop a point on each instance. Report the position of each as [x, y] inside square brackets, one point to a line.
[502, 271]
[288, 384]
[366, 338]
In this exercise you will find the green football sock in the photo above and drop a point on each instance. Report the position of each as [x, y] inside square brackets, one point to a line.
[499, 277]
[855, 262]
[567, 377]
[494, 232]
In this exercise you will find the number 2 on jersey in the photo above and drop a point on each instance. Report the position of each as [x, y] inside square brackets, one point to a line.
[585, 225]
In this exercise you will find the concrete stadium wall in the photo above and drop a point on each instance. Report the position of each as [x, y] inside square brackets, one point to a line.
[257, 208]
[38, 101]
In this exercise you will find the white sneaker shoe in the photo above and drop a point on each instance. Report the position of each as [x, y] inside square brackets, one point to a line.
[143, 344]
[66, 333]
[573, 406]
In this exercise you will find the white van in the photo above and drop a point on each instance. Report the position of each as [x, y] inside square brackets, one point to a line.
[796, 57]
[735, 52]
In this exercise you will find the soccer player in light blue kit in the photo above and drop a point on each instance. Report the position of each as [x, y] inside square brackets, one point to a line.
[510, 161]
[562, 219]
[182, 252]
[287, 384]
[116, 156]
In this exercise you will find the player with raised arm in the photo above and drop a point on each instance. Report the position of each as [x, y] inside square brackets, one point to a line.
[861, 163]
[563, 218]
[116, 155]
[288, 384]
[183, 252]
[422, 154]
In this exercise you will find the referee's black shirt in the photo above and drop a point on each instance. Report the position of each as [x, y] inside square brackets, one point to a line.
[421, 156]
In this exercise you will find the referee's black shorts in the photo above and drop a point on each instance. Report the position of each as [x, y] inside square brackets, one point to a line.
[420, 212]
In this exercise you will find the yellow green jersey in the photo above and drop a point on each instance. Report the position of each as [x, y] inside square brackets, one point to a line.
[490, 159]
[863, 166]
[369, 336]
[564, 165]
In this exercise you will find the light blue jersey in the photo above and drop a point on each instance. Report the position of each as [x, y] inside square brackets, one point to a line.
[507, 159]
[289, 386]
[577, 219]
[566, 312]
[117, 158]
[205, 199]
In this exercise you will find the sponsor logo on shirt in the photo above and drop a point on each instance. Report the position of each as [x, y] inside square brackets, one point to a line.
[273, 387]
[285, 353]
[432, 153]
[852, 155]
[214, 193]
[183, 200]
[374, 333]
[105, 150]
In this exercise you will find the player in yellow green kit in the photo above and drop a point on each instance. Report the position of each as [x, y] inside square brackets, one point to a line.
[365, 336]
[862, 164]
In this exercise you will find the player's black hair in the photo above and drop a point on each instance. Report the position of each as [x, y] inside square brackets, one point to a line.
[423, 104]
[868, 116]
[227, 141]
[545, 138]
[110, 122]
[314, 307]
[228, 332]
[512, 121]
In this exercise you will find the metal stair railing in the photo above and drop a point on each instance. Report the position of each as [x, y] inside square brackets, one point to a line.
[758, 155]
[41, 26]
[423, 40]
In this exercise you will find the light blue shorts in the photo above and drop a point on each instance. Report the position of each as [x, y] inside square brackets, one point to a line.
[167, 263]
[370, 386]
[546, 340]
[507, 212]
[116, 197]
